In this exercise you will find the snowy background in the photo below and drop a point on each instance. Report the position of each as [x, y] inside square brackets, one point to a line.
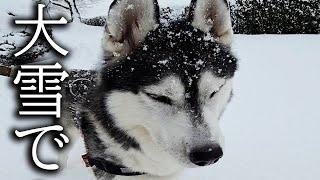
[272, 126]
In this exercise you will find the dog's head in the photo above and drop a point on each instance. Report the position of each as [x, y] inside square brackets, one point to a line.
[166, 86]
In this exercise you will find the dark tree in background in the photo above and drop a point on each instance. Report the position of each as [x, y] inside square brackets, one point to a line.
[276, 17]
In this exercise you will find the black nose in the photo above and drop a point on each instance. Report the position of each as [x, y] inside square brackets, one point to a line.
[205, 155]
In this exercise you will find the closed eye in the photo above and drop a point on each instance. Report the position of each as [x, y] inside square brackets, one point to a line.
[212, 94]
[215, 92]
[159, 98]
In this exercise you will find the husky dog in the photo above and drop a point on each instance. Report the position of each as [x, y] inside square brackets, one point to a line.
[156, 107]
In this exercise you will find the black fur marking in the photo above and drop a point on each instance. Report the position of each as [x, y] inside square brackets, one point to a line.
[193, 100]
[157, 10]
[177, 49]
[97, 106]
[93, 142]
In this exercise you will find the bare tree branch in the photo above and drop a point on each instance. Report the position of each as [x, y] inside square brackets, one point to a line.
[60, 5]
[76, 8]
[70, 9]
[11, 14]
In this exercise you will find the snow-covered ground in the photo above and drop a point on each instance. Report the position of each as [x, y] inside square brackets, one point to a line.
[271, 126]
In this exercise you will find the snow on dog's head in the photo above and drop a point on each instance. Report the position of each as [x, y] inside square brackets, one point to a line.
[167, 85]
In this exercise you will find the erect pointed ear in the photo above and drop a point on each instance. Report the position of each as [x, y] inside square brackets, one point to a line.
[128, 23]
[212, 16]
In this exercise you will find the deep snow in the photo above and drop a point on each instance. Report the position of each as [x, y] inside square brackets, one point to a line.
[271, 126]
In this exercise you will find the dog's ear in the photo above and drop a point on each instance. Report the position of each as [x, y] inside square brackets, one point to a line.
[212, 16]
[128, 23]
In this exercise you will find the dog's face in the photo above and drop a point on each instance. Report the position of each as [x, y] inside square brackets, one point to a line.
[167, 85]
